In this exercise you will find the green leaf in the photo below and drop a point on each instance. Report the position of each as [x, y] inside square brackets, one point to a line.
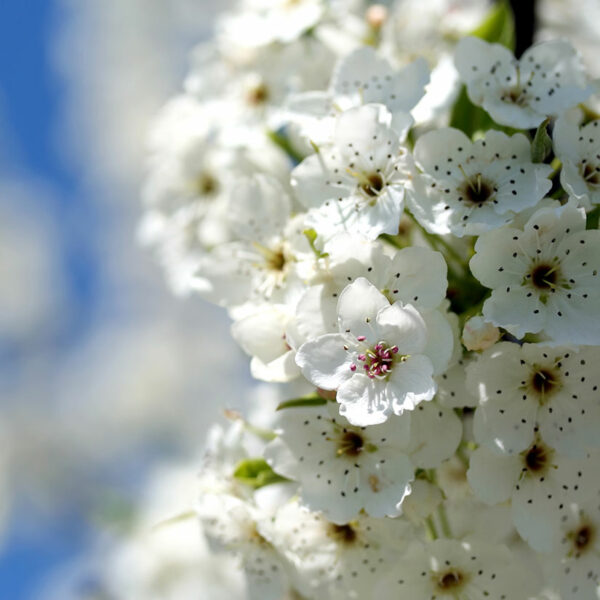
[498, 26]
[541, 146]
[310, 400]
[256, 473]
[282, 141]
[592, 218]
[467, 117]
[311, 236]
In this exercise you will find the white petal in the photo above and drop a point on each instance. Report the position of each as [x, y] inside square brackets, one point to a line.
[358, 306]
[493, 476]
[325, 361]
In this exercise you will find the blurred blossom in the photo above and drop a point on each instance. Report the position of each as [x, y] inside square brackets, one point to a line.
[576, 20]
[121, 59]
[160, 553]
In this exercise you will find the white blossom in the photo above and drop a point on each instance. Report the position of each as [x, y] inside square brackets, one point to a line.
[575, 566]
[338, 561]
[458, 570]
[355, 184]
[467, 188]
[544, 277]
[534, 387]
[376, 362]
[264, 263]
[362, 77]
[547, 80]
[578, 147]
[343, 469]
[539, 481]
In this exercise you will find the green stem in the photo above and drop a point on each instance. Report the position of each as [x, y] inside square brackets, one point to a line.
[431, 529]
[263, 434]
[443, 517]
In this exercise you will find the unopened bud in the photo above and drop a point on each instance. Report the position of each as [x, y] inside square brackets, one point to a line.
[479, 334]
[376, 16]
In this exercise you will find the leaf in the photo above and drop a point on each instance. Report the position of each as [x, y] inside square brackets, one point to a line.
[467, 117]
[256, 473]
[592, 218]
[541, 147]
[498, 26]
[280, 139]
[311, 236]
[310, 400]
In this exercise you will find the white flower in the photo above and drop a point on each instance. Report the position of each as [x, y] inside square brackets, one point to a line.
[262, 334]
[540, 483]
[435, 433]
[270, 250]
[547, 80]
[261, 22]
[466, 188]
[376, 362]
[544, 278]
[447, 569]
[575, 565]
[338, 561]
[452, 390]
[578, 148]
[191, 178]
[523, 389]
[235, 525]
[361, 78]
[343, 469]
[412, 275]
[357, 183]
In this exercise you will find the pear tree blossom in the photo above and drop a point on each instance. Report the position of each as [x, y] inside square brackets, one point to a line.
[376, 362]
[544, 276]
[578, 147]
[356, 182]
[547, 80]
[360, 187]
[343, 469]
[467, 188]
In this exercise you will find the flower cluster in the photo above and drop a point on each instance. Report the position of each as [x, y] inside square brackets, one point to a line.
[411, 244]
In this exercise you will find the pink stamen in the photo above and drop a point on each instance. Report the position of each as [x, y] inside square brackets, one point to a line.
[353, 367]
[361, 338]
[378, 360]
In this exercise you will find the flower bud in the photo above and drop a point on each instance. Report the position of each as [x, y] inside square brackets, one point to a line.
[479, 334]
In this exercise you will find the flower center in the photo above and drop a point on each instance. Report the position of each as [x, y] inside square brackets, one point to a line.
[544, 276]
[350, 444]
[583, 538]
[275, 259]
[257, 94]
[477, 190]
[372, 184]
[590, 173]
[515, 95]
[449, 580]
[544, 381]
[345, 534]
[206, 185]
[378, 360]
[537, 459]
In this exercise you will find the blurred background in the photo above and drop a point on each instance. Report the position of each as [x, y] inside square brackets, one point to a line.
[103, 373]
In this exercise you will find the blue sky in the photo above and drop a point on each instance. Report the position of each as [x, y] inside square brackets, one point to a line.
[31, 97]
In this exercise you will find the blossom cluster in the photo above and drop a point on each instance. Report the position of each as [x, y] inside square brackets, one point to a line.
[402, 221]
